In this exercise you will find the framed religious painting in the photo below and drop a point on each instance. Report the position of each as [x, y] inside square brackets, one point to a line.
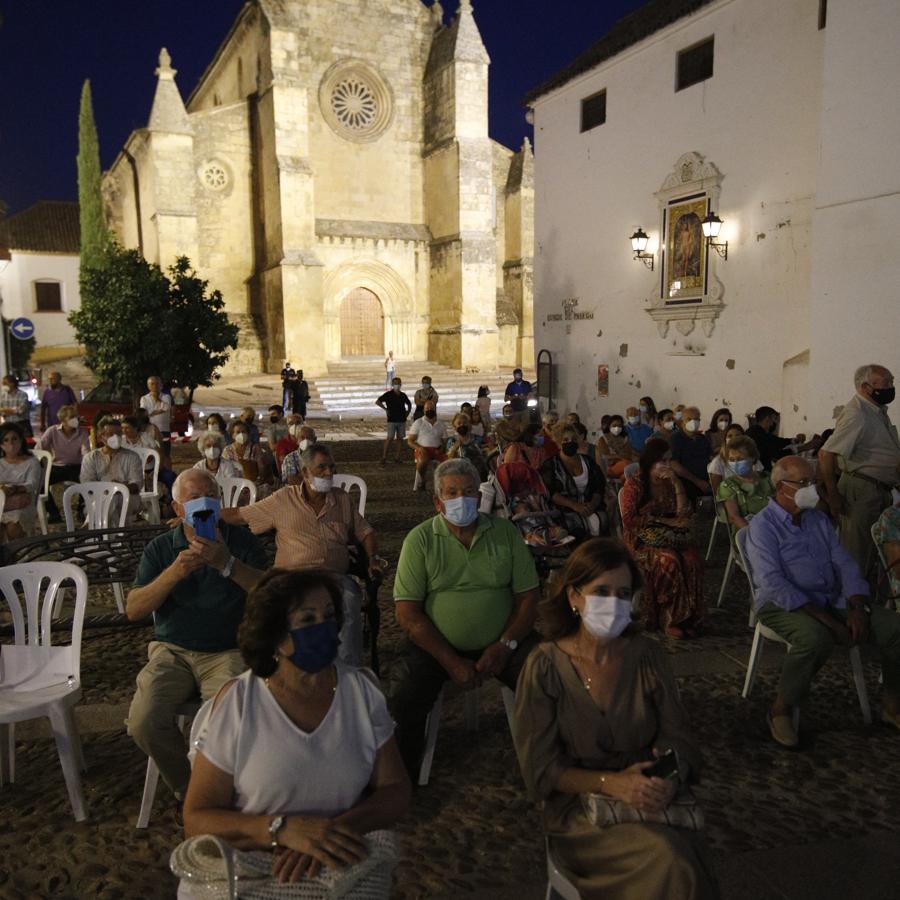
[603, 380]
[686, 267]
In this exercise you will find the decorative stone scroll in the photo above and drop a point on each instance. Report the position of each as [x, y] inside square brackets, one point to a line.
[356, 101]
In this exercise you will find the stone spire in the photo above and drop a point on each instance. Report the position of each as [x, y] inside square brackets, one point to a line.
[469, 45]
[168, 112]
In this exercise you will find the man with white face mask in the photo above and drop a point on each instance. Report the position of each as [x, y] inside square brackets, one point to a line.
[112, 462]
[466, 595]
[811, 593]
[314, 523]
[691, 452]
[69, 443]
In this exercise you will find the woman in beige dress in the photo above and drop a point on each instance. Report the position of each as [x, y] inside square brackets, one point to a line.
[595, 702]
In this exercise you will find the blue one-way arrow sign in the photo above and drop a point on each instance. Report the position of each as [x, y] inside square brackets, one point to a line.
[21, 328]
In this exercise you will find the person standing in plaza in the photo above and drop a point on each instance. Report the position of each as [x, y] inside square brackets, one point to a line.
[425, 394]
[288, 377]
[860, 463]
[56, 395]
[390, 366]
[397, 406]
[14, 404]
[159, 408]
[518, 393]
[300, 396]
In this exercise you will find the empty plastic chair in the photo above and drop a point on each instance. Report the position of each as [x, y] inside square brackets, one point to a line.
[347, 482]
[150, 497]
[99, 504]
[233, 490]
[46, 460]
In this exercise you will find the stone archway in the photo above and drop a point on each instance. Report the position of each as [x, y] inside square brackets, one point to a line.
[362, 324]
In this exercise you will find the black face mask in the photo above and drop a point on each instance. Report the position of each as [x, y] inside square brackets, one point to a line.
[431, 414]
[883, 396]
[570, 448]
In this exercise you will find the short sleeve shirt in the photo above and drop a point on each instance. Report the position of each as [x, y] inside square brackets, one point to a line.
[518, 392]
[398, 405]
[751, 497]
[67, 451]
[867, 441]
[123, 467]
[467, 592]
[428, 435]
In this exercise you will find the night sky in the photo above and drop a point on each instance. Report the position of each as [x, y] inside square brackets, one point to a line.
[48, 47]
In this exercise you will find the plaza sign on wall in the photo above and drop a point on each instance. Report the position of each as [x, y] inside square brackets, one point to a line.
[568, 314]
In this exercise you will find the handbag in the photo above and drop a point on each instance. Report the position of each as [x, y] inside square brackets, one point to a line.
[670, 537]
[682, 812]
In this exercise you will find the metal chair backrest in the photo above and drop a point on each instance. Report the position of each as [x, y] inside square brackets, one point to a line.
[98, 503]
[346, 482]
[31, 662]
[232, 488]
[45, 457]
[146, 453]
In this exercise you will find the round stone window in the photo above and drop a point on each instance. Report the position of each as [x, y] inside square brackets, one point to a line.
[355, 101]
[214, 175]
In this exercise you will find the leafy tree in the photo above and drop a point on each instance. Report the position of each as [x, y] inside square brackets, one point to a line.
[135, 322]
[94, 235]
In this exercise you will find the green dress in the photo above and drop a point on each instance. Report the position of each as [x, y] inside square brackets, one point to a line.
[751, 496]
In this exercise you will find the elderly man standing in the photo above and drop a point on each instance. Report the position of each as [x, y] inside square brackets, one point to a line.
[466, 595]
[56, 395]
[314, 524]
[805, 583]
[866, 449]
[691, 452]
[159, 408]
[112, 462]
[195, 589]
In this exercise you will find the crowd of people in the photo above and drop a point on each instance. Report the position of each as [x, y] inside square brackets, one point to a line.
[602, 739]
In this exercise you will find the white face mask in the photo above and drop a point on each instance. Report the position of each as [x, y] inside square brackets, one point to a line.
[615, 429]
[723, 424]
[606, 617]
[303, 444]
[670, 425]
[644, 408]
[241, 437]
[691, 425]
[633, 420]
[73, 422]
[679, 415]
[807, 497]
[215, 429]
[212, 452]
[322, 485]
[114, 442]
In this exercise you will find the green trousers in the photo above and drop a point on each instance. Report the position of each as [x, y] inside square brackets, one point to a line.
[865, 503]
[812, 642]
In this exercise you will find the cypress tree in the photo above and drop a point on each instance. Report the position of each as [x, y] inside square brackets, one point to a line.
[94, 236]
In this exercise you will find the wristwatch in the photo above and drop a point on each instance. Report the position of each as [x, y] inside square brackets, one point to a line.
[511, 643]
[226, 570]
[274, 827]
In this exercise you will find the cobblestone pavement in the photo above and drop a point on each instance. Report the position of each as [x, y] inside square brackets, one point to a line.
[819, 823]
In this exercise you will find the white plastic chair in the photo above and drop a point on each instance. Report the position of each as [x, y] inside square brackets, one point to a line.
[433, 722]
[346, 482]
[733, 558]
[45, 457]
[556, 881]
[232, 489]
[98, 499]
[150, 498]
[761, 634]
[38, 679]
[720, 518]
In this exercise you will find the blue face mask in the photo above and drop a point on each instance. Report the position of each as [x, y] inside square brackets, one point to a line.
[742, 467]
[461, 511]
[202, 514]
[539, 440]
[315, 646]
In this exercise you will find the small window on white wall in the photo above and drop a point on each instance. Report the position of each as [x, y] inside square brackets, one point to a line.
[47, 296]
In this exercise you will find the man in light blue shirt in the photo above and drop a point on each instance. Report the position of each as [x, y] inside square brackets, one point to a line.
[637, 431]
[810, 591]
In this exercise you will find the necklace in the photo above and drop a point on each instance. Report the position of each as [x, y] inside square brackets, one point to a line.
[269, 683]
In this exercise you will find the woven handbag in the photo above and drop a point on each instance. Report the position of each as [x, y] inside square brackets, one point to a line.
[682, 812]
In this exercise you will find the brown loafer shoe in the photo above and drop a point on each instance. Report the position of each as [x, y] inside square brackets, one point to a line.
[782, 729]
[891, 719]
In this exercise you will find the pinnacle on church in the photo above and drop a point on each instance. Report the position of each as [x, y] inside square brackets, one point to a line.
[469, 45]
[165, 69]
[168, 112]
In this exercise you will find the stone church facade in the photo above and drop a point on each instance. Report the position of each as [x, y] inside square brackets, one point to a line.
[333, 176]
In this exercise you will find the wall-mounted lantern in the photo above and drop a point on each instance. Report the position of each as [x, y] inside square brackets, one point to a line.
[711, 225]
[639, 244]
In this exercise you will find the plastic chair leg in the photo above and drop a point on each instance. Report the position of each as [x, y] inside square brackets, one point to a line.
[509, 704]
[42, 514]
[712, 537]
[728, 567]
[753, 662]
[119, 594]
[65, 745]
[77, 746]
[431, 731]
[859, 679]
[151, 781]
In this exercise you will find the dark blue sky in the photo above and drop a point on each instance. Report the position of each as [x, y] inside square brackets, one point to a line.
[48, 47]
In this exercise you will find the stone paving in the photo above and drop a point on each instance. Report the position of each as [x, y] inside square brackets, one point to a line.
[819, 823]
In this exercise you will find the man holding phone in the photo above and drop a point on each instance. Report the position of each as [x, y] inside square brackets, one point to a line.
[193, 580]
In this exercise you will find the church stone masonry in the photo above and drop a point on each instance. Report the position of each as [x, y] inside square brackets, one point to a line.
[333, 176]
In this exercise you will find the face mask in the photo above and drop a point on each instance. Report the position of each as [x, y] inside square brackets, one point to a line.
[670, 425]
[431, 414]
[274, 419]
[679, 415]
[114, 442]
[742, 467]
[322, 485]
[633, 420]
[396, 387]
[692, 425]
[615, 429]
[315, 646]
[645, 408]
[461, 511]
[569, 448]
[723, 424]
[212, 452]
[73, 422]
[883, 396]
[538, 440]
[202, 514]
[304, 444]
[425, 384]
[463, 430]
[215, 428]
[807, 497]
[606, 617]
[241, 437]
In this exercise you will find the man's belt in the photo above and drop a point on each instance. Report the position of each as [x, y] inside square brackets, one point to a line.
[881, 484]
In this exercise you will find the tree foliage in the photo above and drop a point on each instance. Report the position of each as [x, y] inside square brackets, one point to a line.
[135, 322]
[94, 236]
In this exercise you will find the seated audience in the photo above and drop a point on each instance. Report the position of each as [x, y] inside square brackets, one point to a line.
[462, 445]
[637, 430]
[521, 443]
[427, 437]
[422, 396]
[479, 428]
[886, 533]
[665, 425]
[656, 519]
[614, 450]
[549, 422]
[21, 481]
[679, 412]
[292, 463]
[648, 410]
[194, 588]
[810, 592]
[112, 462]
[298, 756]
[719, 423]
[248, 417]
[595, 704]
[69, 443]
[604, 424]
[247, 454]
[763, 431]
[289, 441]
[745, 492]
[576, 485]
[314, 523]
[584, 446]
[211, 445]
[691, 452]
[277, 429]
[216, 424]
[483, 405]
[718, 468]
[465, 594]
[573, 418]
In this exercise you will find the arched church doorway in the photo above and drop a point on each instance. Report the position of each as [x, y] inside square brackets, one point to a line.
[362, 324]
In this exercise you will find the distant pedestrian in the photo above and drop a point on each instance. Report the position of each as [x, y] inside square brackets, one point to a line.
[397, 406]
[518, 393]
[425, 394]
[55, 397]
[389, 368]
[300, 394]
[483, 405]
[159, 409]
[14, 404]
[288, 377]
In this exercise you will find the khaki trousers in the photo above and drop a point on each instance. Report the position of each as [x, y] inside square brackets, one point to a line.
[865, 503]
[172, 677]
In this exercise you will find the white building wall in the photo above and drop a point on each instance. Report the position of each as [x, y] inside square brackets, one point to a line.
[757, 120]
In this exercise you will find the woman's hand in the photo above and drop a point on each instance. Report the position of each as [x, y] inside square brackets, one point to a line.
[291, 866]
[323, 840]
[632, 786]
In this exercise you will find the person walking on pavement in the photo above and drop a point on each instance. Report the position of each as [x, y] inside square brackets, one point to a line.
[397, 406]
[390, 366]
[288, 378]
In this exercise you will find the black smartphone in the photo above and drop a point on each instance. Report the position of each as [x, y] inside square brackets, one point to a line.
[665, 767]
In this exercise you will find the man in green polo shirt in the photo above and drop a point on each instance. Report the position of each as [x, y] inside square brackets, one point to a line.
[195, 589]
[466, 595]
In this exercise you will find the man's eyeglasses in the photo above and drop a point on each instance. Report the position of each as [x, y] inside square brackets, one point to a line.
[805, 482]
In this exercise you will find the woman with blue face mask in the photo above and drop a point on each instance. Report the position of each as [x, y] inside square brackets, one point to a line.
[596, 703]
[746, 491]
[298, 762]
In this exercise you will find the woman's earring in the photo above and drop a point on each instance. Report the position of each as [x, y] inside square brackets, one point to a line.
[575, 612]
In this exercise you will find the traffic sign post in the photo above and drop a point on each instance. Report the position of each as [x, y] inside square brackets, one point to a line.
[21, 328]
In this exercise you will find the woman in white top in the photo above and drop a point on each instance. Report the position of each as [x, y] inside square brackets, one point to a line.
[299, 755]
[211, 445]
[20, 481]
